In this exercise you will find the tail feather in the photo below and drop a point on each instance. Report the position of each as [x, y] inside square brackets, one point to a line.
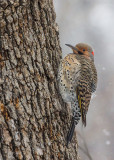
[71, 131]
[84, 120]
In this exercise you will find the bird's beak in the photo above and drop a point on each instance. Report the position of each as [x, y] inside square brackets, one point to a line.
[72, 47]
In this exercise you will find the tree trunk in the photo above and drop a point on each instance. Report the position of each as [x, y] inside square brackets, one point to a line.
[33, 124]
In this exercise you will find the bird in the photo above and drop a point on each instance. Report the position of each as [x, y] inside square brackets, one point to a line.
[77, 80]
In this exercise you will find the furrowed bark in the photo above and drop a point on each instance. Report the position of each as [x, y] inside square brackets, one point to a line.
[33, 124]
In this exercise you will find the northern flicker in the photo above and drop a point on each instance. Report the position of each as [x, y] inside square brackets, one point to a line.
[77, 79]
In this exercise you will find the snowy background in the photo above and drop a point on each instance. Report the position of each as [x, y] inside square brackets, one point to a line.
[92, 22]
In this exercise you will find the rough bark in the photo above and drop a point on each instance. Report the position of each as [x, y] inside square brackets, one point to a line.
[33, 124]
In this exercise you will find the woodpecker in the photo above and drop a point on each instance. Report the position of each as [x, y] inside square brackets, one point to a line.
[77, 80]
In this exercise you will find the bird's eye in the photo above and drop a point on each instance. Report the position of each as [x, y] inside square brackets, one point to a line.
[83, 49]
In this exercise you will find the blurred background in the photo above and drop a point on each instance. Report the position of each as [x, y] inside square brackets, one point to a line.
[92, 22]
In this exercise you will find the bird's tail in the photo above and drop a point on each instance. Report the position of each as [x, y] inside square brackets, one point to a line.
[71, 131]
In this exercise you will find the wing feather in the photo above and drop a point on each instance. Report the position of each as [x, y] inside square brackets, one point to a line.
[83, 96]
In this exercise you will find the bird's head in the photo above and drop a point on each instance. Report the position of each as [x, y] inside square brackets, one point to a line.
[83, 50]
